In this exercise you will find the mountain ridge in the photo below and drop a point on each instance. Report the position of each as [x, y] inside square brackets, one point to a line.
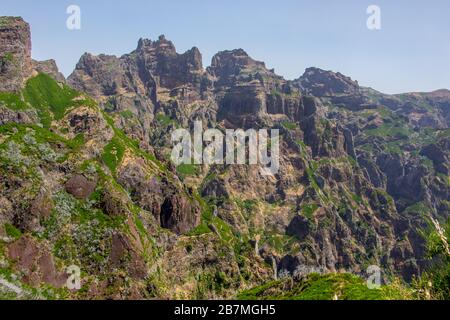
[86, 177]
[241, 49]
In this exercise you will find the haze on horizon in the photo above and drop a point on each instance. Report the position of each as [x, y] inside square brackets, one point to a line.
[409, 54]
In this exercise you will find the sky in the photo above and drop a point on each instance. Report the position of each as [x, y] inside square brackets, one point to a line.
[411, 51]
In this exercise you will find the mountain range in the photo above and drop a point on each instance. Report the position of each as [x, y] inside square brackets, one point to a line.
[86, 180]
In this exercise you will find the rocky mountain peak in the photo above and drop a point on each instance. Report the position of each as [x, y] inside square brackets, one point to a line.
[87, 62]
[172, 69]
[15, 53]
[49, 67]
[163, 51]
[161, 46]
[194, 57]
[321, 83]
[153, 65]
[232, 62]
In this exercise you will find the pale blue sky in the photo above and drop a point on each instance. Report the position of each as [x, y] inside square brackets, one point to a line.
[410, 53]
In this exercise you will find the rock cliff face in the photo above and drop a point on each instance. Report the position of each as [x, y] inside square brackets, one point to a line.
[15, 53]
[422, 109]
[49, 67]
[16, 65]
[151, 66]
[361, 173]
[321, 83]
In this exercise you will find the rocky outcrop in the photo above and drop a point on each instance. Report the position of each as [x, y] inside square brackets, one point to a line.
[36, 262]
[372, 171]
[80, 187]
[299, 228]
[243, 100]
[15, 53]
[341, 90]
[125, 254]
[246, 88]
[99, 75]
[40, 210]
[153, 65]
[227, 66]
[170, 205]
[404, 180]
[170, 69]
[178, 214]
[16, 65]
[437, 155]
[13, 116]
[427, 109]
[49, 67]
[115, 203]
[87, 122]
[321, 83]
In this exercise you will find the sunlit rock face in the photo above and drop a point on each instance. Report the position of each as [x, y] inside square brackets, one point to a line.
[15, 53]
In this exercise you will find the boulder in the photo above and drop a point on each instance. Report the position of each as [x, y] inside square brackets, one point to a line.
[124, 255]
[80, 187]
[36, 263]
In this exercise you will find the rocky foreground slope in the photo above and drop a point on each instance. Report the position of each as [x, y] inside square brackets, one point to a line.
[86, 180]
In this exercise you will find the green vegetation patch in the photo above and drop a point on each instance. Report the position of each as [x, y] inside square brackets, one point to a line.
[289, 125]
[419, 209]
[40, 143]
[326, 287]
[436, 279]
[122, 139]
[282, 244]
[247, 206]
[9, 57]
[164, 120]
[127, 114]
[390, 130]
[12, 231]
[113, 153]
[49, 98]
[188, 169]
[12, 101]
[309, 209]
[207, 214]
